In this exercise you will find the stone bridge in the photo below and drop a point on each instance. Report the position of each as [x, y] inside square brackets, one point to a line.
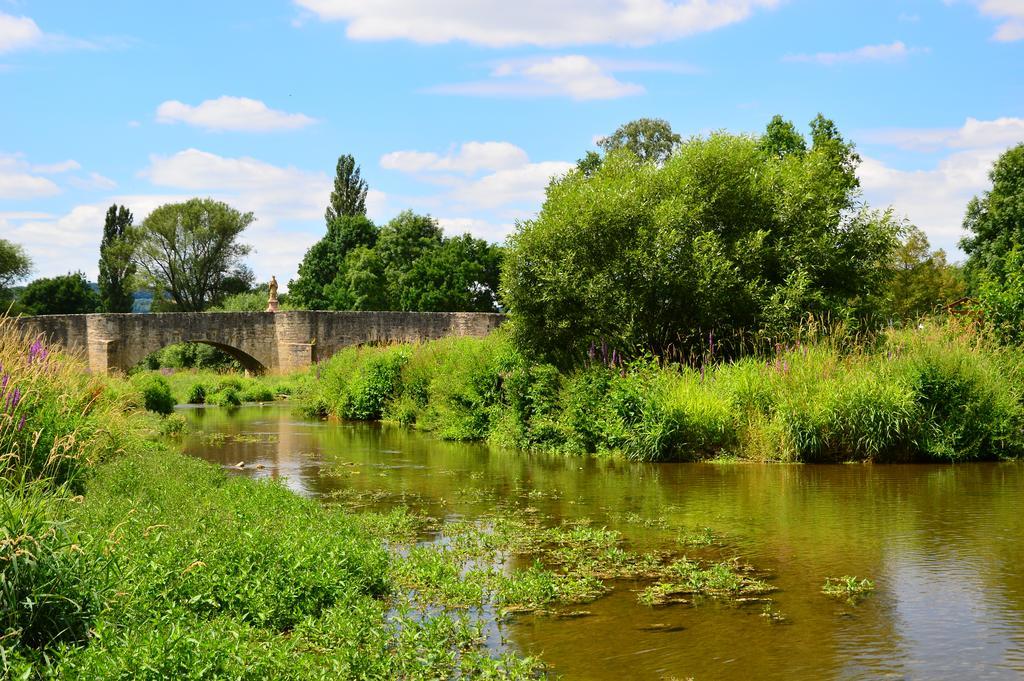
[260, 341]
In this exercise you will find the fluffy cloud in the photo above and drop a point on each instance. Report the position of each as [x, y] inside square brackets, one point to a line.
[17, 33]
[575, 76]
[469, 158]
[496, 23]
[1011, 15]
[1001, 132]
[56, 168]
[22, 33]
[231, 113]
[935, 198]
[18, 182]
[890, 52]
[486, 185]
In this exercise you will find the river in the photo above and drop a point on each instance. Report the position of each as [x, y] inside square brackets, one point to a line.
[943, 545]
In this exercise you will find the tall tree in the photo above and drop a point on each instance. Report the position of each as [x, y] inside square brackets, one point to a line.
[651, 139]
[995, 220]
[781, 138]
[722, 236]
[189, 252]
[66, 294]
[117, 269]
[922, 279]
[15, 266]
[326, 260]
[349, 195]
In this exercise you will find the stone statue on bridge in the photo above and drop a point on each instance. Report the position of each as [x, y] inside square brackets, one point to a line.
[272, 302]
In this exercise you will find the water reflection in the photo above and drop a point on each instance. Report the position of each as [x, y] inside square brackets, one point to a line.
[941, 542]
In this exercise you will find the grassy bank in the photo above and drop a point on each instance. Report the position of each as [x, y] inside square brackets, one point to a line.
[938, 393]
[122, 558]
[218, 388]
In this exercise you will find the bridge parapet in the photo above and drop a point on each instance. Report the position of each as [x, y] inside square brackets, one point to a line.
[276, 341]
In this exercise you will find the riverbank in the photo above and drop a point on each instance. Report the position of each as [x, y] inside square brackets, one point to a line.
[122, 557]
[936, 393]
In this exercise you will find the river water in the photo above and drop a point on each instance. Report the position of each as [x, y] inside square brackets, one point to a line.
[943, 545]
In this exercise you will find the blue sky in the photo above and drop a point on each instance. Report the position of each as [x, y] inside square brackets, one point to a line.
[464, 108]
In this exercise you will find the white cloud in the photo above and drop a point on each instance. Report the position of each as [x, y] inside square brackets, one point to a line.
[18, 33]
[486, 185]
[22, 33]
[523, 185]
[889, 52]
[575, 76]
[1001, 132]
[935, 198]
[481, 229]
[497, 23]
[17, 181]
[469, 158]
[1011, 15]
[56, 168]
[231, 113]
[94, 181]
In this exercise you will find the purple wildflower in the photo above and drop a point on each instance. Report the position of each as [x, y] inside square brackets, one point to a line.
[21, 423]
[3, 384]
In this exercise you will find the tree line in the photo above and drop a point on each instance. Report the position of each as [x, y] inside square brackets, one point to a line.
[654, 243]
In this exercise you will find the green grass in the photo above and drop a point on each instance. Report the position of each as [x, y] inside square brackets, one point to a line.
[935, 394]
[848, 588]
[195, 386]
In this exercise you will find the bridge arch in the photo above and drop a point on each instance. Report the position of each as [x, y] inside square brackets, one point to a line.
[247, 361]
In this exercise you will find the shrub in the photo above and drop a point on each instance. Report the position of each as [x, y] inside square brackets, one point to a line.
[156, 392]
[196, 394]
[225, 397]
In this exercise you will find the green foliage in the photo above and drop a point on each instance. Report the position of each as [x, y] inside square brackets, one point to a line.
[723, 236]
[66, 294]
[848, 588]
[250, 301]
[995, 220]
[225, 396]
[15, 265]
[52, 589]
[922, 280]
[189, 254]
[348, 198]
[117, 269]
[406, 265]
[936, 394]
[651, 140]
[156, 392]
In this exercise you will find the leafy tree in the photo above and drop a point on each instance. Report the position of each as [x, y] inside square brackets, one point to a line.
[117, 269]
[325, 261]
[406, 265]
[781, 138]
[589, 164]
[349, 195]
[15, 265]
[66, 294]
[995, 220]
[460, 274]
[922, 279]
[721, 238]
[189, 252]
[651, 139]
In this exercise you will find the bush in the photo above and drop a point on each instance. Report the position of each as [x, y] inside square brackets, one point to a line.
[196, 394]
[156, 392]
[933, 394]
[225, 397]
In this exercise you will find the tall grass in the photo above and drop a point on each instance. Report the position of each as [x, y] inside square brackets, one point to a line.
[121, 558]
[938, 393]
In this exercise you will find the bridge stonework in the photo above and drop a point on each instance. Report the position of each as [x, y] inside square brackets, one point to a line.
[273, 341]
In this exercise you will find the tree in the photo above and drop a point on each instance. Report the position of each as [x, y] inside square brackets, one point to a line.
[15, 266]
[995, 220]
[325, 261]
[349, 195]
[117, 269]
[922, 279]
[66, 294]
[651, 139]
[189, 252]
[721, 238]
[781, 138]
